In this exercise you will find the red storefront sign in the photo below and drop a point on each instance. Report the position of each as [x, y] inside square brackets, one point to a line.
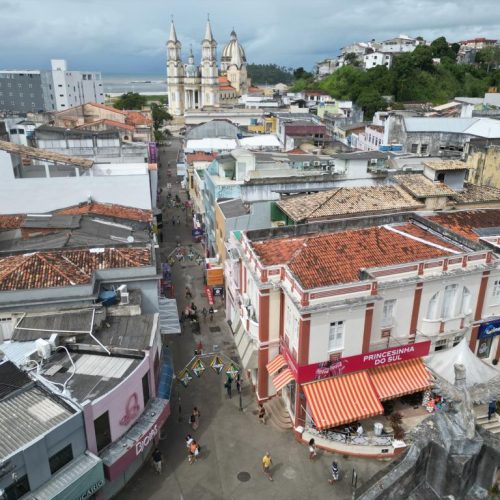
[210, 296]
[350, 364]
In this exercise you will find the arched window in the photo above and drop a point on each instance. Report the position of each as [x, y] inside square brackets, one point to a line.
[432, 307]
[465, 306]
[449, 300]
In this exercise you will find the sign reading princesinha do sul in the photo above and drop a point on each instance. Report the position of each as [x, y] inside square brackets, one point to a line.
[350, 364]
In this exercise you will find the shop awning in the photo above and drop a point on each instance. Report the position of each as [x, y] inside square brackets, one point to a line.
[340, 400]
[277, 363]
[80, 478]
[283, 377]
[246, 348]
[393, 381]
[169, 317]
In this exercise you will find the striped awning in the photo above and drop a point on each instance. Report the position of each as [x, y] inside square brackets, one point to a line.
[283, 377]
[277, 363]
[340, 400]
[393, 381]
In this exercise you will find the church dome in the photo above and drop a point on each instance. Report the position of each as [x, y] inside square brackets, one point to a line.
[233, 51]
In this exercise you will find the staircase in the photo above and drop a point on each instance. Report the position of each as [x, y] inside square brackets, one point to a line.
[492, 425]
[277, 414]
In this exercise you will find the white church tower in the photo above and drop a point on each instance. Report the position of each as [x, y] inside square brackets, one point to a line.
[175, 74]
[209, 69]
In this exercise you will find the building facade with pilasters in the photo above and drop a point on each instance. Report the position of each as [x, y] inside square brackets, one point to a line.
[309, 306]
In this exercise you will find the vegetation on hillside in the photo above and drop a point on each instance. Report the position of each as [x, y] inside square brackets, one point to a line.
[269, 73]
[412, 77]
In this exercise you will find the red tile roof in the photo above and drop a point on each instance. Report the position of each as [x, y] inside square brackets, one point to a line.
[226, 87]
[118, 211]
[329, 259]
[296, 151]
[223, 80]
[200, 156]
[136, 118]
[465, 222]
[11, 221]
[111, 123]
[65, 268]
[108, 108]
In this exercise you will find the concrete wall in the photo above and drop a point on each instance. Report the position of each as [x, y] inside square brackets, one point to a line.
[40, 195]
[484, 165]
[33, 459]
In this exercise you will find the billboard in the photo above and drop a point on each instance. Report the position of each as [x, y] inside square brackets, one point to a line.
[350, 364]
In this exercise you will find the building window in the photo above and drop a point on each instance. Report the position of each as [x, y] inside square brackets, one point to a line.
[457, 339]
[414, 148]
[336, 336]
[441, 345]
[102, 431]
[145, 389]
[388, 312]
[496, 289]
[60, 459]
[18, 489]
[448, 309]
[484, 348]
[465, 303]
[432, 307]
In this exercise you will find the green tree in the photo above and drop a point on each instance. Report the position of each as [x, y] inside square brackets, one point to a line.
[130, 100]
[269, 73]
[351, 58]
[441, 48]
[160, 116]
[302, 74]
[371, 101]
[489, 57]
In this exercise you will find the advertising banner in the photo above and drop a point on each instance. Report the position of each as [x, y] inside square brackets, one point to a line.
[350, 364]
[489, 329]
[152, 152]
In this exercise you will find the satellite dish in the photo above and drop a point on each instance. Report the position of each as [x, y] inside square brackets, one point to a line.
[130, 239]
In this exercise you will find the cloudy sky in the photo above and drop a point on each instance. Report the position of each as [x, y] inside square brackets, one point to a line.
[128, 36]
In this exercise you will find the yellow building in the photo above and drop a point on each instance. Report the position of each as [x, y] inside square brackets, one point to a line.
[266, 126]
[484, 163]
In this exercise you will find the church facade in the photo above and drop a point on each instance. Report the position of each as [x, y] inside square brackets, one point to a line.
[192, 86]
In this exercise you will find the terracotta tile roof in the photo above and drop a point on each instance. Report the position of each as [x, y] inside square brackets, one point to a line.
[477, 194]
[223, 80]
[11, 221]
[346, 201]
[226, 87]
[296, 151]
[465, 222]
[118, 211]
[421, 187]
[446, 164]
[335, 258]
[107, 108]
[111, 123]
[419, 232]
[200, 156]
[136, 118]
[65, 268]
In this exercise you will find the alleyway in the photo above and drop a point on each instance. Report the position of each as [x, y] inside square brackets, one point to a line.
[232, 441]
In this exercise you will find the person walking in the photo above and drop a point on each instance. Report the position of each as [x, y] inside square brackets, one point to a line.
[211, 312]
[492, 408]
[173, 220]
[228, 386]
[178, 220]
[238, 385]
[189, 295]
[312, 449]
[193, 453]
[266, 465]
[194, 419]
[204, 312]
[157, 460]
[335, 472]
[262, 414]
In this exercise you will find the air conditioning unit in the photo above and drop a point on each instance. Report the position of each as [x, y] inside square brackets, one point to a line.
[317, 163]
[373, 161]
[124, 295]
[307, 164]
[43, 348]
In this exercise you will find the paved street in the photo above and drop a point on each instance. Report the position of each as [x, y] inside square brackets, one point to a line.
[232, 441]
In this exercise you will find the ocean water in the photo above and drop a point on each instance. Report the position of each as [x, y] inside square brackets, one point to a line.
[120, 84]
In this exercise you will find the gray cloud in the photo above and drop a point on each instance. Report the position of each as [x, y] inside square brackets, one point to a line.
[129, 36]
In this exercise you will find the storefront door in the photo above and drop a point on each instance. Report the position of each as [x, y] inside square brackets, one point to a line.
[288, 395]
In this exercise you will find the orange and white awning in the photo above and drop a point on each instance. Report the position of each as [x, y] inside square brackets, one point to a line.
[340, 400]
[396, 380]
[276, 364]
[283, 378]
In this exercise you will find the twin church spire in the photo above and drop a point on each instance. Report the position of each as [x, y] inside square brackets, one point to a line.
[193, 87]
